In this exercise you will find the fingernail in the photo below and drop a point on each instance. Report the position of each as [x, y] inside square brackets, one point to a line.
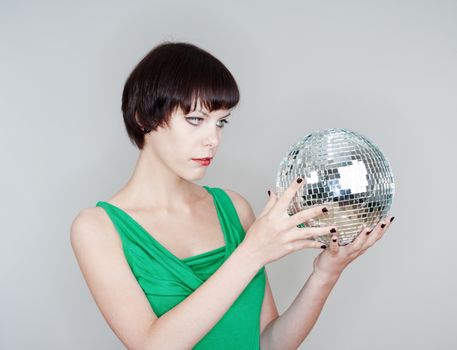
[392, 218]
[369, 232]
[333, 230]
[334, 239]
[324, 209]
[299, 180]
[269, 193]
[383, 225]
[323, 246]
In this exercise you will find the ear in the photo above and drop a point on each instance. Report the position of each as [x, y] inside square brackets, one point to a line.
[138, 120]
[141, 124]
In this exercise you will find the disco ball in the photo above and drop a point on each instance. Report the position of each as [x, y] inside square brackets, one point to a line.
[343, 170]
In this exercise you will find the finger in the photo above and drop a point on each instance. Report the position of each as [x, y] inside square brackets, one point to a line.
[271, 202]
[307, 243]
[307, 214]
[376, 233]
[387, 222]
[284, 200]
[360, 242]
[308, 232]
[334, 247]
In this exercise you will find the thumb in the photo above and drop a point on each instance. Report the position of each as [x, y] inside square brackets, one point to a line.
[271, 202]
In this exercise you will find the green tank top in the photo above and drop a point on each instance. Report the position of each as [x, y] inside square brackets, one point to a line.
[167, 280]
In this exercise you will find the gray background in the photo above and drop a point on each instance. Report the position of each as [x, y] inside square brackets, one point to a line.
[386, 69]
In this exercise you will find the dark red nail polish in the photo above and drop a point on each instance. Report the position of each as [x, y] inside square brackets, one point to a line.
[299, 180]
[369, 232]
[333, 230]
[269, 193]
[323, 246]
[383, 225]
[334, 239]
[392, 218]
[324, 210]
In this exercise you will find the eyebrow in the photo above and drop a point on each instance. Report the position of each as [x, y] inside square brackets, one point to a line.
[204, 113]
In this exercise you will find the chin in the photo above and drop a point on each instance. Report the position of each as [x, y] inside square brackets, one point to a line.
[197, 175]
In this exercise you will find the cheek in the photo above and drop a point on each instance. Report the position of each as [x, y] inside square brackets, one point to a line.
[178, 143]
[179, 148]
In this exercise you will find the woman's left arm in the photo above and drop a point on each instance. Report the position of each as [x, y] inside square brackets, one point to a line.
[290, 329]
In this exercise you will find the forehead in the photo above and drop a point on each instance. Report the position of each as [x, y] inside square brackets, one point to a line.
[199, 107]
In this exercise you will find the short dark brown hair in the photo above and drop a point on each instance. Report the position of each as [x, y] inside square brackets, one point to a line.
[174, 75]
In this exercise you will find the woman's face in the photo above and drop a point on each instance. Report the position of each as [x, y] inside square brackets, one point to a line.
[189, 136]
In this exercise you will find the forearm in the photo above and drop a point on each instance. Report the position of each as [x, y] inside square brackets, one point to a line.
[194, 317]
[290, 329]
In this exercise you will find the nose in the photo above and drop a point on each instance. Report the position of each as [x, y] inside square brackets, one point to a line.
[213, 137]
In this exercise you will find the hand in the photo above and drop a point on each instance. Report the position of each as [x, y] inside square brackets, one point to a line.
[275, 233]
[332, 261]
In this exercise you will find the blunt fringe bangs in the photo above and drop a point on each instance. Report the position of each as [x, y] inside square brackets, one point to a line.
[174, 75]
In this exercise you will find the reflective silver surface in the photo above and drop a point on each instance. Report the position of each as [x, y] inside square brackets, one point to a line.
[345, 170]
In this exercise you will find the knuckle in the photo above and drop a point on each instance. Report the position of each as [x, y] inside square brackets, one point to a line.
[304, 231]
[366, 247]
[317, 244]
[290, 247]
[272, 221]
[356, 245]
[353, 253]
[305, 214]
[361, 239]
[378, 233]
[268, 217]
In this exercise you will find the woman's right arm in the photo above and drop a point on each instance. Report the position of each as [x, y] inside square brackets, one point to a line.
[125, 306]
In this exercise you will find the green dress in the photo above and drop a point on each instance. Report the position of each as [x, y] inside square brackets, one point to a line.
[167, 280]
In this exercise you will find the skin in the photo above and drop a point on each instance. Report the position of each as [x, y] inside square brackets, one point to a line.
[164, 173]
[162, 186]
[290, 329]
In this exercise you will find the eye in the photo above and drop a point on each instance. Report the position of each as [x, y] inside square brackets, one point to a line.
[223, 121]
[193, 118]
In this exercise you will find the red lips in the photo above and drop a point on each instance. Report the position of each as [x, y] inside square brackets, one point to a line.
[203, 161]
[208, 158]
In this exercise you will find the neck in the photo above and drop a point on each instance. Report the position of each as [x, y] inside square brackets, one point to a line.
[153, 185]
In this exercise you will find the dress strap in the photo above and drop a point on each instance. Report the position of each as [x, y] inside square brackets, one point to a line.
[228, 215]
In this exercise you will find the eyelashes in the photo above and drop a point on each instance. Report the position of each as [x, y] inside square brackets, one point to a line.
[223, 121]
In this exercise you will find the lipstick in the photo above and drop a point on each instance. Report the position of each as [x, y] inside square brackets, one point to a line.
[203, 161]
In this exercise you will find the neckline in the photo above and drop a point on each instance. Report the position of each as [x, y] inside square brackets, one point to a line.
[221, 225]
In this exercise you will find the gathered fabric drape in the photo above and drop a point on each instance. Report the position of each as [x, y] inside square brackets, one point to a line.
[167, 280]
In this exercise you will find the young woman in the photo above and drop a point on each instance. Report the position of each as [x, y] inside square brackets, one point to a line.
[173, 265]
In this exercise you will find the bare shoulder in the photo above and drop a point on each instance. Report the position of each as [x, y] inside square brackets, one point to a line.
[86, 218]
[243, 208]
[91, 226]
[118, 295]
